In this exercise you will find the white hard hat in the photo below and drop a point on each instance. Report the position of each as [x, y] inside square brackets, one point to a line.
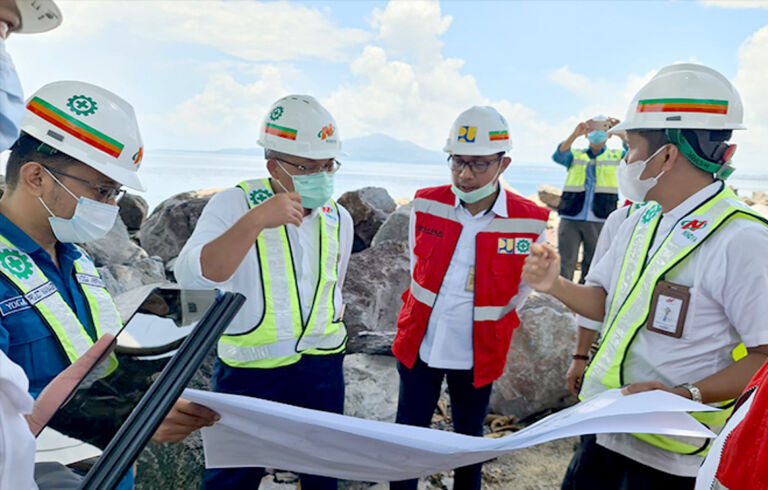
[90, 124]
[37, 16]
[298, 125]
[685, 96]
[478, 131]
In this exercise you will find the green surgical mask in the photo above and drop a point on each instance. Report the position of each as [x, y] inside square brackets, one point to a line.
[315, 189]
[477, 194]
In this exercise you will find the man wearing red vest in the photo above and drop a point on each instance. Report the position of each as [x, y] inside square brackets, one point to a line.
[468, 243]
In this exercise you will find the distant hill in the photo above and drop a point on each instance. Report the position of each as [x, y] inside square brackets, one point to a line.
[375, 148]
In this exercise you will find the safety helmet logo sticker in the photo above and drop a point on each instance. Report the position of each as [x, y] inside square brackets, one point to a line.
[326, 133]
[276, 113]
[259, 196]
[138, 156]
[82, 105]
[15, 263]
[467, 134]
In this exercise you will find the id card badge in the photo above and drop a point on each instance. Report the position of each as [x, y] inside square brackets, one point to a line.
[669, 306]
[470, 286]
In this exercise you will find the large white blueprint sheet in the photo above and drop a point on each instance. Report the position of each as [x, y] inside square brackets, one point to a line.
[255, 432]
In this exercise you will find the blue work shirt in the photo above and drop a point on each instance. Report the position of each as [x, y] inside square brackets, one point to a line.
[23, 335]
[565, 158]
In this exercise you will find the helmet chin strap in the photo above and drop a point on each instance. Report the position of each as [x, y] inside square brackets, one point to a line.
[721, 171]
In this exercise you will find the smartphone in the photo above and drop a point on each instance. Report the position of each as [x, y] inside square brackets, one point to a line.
[598, 125]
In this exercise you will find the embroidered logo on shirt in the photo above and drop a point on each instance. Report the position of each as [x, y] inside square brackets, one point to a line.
[13, 305]
[691, 230]
[16, 263]
[330, 213]
[523, 246]
[259, 196]
[506, 246]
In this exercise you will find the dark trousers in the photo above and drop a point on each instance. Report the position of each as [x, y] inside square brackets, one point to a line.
[419, 392]
[314, 382]
[595, 467]
[570, 235]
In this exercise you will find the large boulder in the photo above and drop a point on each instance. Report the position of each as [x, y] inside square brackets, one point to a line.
[133, 210]
[534, 379]
[369, 207]
[550, 196]
[372, 386]
[395, 227]
[170, 225]
[116, 247]
[120, 278]
[375, 280]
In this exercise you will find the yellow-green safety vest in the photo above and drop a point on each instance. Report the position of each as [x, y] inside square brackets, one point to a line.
[281, 337]
[631, 302]
[38, 292]
[605, 172]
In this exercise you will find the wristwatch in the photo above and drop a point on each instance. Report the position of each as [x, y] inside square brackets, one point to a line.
[695, 392]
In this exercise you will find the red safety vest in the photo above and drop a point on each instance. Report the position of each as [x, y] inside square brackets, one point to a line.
[500, 252]
[744, 460]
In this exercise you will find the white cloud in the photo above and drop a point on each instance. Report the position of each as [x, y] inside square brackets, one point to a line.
[751, 82]
[255, 31]
[737, 4]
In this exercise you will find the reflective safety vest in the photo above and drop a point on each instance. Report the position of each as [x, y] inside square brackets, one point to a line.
[606, 185]
[281, 336]
[500, 253]
[631, 302]
[38, 292]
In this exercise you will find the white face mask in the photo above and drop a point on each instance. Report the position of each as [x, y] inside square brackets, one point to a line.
[628, 175]
[90, 222]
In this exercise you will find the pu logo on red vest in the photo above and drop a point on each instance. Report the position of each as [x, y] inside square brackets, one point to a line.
[506, 246]
[467, 134]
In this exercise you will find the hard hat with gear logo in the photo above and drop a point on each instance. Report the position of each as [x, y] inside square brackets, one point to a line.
[89, 124]
[37, 16]
[478, 131]
[684, 100]
[298, 125]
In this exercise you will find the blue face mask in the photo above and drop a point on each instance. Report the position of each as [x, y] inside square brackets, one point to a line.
[597, 137]
[11, 100]
[315, 189]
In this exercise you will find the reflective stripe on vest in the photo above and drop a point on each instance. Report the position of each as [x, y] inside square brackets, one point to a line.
[280, 337]
[605, 172]
[631, 302]
[20, 270]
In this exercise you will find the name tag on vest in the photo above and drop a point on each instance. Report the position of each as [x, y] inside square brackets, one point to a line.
[40, 293]
[13, 305]
[90, 280]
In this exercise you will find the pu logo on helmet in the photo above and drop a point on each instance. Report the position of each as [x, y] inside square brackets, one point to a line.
[82, 105]
[326, 133]
[467, 134]
[693, 224]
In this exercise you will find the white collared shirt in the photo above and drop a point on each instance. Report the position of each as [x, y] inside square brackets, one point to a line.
[223, 211]
[447, 343]
[728, 280]
[17, 444]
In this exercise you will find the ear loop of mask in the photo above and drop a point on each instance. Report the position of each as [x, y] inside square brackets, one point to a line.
[286, 172]
[62, 185]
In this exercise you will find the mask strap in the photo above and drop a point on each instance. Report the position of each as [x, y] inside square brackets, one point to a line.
[46, 207]
[286, 172]
[59, 182]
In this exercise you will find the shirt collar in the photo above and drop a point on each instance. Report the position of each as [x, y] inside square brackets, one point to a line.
[685, 207]
[26, 244]
[592, 154]
[499, 205]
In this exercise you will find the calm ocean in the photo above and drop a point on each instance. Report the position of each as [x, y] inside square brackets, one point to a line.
[166, 173]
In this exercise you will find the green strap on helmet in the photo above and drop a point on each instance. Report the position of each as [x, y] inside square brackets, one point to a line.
[676, 137]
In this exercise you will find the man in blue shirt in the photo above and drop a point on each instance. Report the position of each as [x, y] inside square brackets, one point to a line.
[590, 192]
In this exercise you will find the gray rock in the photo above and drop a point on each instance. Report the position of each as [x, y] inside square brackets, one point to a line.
[395, 227]
[170, 225]
[534, 378]
[369, 207]
[116, 247]
[120, 278]
[372, 385]
[550, 196]
[375, 281]
[134, 210]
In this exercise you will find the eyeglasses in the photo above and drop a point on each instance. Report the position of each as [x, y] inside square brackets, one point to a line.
[330, 167]
[477, 167]
[105, 193]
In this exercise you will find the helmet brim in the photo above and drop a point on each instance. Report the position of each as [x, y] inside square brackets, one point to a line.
[33, 22]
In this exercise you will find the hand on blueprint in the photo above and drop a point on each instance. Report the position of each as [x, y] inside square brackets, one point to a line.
[184, 418]
[654, 385]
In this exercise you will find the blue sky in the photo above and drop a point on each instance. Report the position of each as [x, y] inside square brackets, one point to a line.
[202, 74]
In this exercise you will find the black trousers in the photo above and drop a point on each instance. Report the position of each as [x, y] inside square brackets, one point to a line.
[594, 467]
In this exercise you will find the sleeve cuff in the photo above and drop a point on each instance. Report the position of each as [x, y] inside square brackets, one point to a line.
[589, 324]
[189, 271]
